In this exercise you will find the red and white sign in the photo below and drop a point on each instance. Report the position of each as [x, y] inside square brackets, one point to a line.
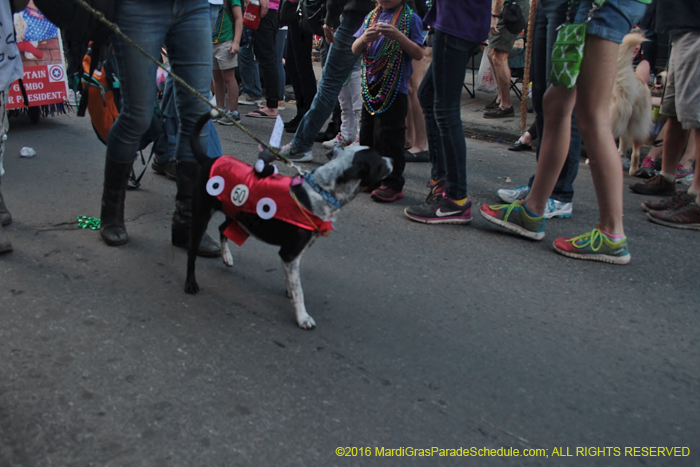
[39, 44]
[44, 85]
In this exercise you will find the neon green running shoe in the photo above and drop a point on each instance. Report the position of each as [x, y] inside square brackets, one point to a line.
[594, 246]
[515, 218]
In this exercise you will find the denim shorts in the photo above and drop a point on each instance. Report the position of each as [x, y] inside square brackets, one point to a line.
[613, 20]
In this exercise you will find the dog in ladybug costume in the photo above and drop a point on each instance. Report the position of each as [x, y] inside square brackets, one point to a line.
[290, 212]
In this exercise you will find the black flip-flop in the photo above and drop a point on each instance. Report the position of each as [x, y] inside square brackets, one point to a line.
[259, 114]
[420, 156]
[518, 146]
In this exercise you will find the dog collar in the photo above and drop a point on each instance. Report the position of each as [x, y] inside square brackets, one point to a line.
[324, 194]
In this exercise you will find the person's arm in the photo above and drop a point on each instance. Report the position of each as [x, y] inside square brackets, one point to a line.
[237, 29]
[414, 50]
[369, 35]
[264, 6]
[496, 8]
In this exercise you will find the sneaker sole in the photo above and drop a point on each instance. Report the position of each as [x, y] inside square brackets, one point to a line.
[508, 199]
[442, 220]
[558, 215]
[601, 258]
[387, 200]
[671, 224]
[304, 158]
[513, 227]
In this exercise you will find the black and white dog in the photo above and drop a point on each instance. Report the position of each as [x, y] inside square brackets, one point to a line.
[290, 212]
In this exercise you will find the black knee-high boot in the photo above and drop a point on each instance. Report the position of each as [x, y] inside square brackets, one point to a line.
[112, 227]
[5, 244]
[182, 218]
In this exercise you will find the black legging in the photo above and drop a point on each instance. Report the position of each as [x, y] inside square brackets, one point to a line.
[300, 67]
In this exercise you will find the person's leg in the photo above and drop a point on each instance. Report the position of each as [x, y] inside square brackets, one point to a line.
[280, 43]
[190, 48]
[347, 116]
[682, 210]
[229, 78]
[501, 73]
[298, 56]
[450, 57]
[426, 97]
[5, 215]
[391, 138]
[264, 46]
[337, 69]
[680, 103]
[220, 88]
[144, 25]
[419, 137]
[549, 16]
[250, 75]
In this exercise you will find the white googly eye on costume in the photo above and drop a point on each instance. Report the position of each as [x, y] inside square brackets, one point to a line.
[215, 185]
[266, 208]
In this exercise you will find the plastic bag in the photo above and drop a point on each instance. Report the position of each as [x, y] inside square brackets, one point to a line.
[485, 81]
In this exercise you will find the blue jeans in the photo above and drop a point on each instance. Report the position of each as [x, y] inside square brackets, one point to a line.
[550, 14]
[338, 67]
[440, 94]
[168, 110]
[188, 38]
[248, 68]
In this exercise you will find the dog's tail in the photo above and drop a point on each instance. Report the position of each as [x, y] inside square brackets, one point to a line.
[625, 54]
[199, 153]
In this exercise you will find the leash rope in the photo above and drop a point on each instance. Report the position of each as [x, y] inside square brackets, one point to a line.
[112, 26]
[318, 230]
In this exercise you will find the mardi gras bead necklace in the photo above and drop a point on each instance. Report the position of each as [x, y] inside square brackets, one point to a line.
[387, 62]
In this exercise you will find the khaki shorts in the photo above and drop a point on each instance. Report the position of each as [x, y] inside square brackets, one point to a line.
[682, 93]
[223, 60]
[504, 40]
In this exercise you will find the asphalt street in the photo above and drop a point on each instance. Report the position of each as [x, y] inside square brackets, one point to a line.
[427, 337]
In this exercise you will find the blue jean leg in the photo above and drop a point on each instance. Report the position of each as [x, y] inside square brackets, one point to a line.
[250, 75]
[338, 67]
[187, 36]
[440, 96]
[550, 14]
[168, 109]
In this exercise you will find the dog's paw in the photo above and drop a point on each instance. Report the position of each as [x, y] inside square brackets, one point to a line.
[307, 322]
[226, 255]
[191, 288]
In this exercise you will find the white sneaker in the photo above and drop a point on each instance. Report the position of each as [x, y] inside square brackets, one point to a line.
[245, 99]
[556, 208]
[296, 156]
[331, 143]
[516, 194]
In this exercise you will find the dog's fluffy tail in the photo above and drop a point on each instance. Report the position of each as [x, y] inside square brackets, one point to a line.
[630, 106]
[625, 54]
[199, 153]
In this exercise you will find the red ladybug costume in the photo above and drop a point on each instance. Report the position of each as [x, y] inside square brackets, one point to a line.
[239, 188]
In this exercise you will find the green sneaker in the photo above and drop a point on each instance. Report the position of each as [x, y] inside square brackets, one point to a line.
[594, 246]
[515, 218]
